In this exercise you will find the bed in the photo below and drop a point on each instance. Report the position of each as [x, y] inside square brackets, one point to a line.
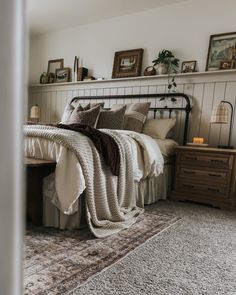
[84, 190]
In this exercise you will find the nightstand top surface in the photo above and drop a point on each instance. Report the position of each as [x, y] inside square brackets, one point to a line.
[206, 149]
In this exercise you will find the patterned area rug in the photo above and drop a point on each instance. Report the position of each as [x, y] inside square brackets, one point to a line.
[57, 261]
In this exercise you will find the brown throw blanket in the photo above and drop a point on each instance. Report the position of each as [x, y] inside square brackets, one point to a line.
[103, 142]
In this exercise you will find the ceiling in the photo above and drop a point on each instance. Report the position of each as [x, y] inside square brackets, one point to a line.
[44, 16]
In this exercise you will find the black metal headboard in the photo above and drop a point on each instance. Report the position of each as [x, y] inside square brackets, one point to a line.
[187, 108]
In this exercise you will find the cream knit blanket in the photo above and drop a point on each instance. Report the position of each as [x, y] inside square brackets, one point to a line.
[110, 200]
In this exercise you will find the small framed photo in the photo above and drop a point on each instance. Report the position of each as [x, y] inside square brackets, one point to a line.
[226, 64]
[188, 66]
[127, 63]
[221, 48]
[62, 75]
[54, 64]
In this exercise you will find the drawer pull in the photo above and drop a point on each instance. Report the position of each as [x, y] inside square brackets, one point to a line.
[188, 185]
[189, 172]
[215, 175]
[213, 189]
[217, 161]
[191, 158]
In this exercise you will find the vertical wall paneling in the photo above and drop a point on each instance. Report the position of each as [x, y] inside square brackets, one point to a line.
[223, 127]
[206, 108]
[215, 129]
[195, 116]
[205, 91]
[230, 95]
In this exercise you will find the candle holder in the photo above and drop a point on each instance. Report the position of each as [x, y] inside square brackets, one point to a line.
[198, 140]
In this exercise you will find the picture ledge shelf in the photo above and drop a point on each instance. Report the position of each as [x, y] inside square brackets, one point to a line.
[137, 78]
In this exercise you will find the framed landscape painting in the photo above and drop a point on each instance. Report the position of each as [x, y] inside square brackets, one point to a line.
[127, 63]
[221, 49]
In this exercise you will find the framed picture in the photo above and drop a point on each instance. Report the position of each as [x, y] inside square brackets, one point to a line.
[62, 75]
[188, 66]
[127, 63]
[54, 64]
[226, 64]
[221, 48]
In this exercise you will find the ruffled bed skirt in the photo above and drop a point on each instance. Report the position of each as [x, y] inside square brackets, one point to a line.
[148, 191]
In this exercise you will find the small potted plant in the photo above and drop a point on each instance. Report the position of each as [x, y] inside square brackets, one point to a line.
[166, 62]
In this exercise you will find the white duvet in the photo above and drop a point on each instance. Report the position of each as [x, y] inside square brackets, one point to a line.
[69, 180]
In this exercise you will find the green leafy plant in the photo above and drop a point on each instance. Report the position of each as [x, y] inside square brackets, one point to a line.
[167, 57]
[171, 84]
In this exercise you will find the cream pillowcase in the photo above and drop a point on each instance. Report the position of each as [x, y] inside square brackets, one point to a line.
[158, 128]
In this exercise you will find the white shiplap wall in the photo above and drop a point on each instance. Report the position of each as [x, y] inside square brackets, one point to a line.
[204, 89]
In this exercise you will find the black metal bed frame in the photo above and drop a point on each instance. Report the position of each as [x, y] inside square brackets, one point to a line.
[187, 108]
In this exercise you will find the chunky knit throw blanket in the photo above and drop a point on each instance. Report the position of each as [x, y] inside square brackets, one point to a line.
[105, 144]
[110, 200]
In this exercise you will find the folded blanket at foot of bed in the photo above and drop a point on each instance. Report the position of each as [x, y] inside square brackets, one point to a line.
[110, 200]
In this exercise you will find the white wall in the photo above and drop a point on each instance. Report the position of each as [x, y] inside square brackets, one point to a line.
[184, 28]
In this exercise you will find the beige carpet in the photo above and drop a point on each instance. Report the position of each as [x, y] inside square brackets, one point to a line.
[196, 256]
[57, 262]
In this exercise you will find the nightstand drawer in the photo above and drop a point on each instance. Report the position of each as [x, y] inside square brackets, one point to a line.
[205, 159]
[219, 177]
[205, 175]
[194, 188]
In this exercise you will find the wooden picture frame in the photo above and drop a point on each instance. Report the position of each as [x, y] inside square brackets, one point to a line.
[188, 66]
[221, 47]
[226, 64]
[127, 63]
[54, 64]
[62, 75]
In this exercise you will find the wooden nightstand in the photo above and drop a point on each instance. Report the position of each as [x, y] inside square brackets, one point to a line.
[205, 175]
[37, 169]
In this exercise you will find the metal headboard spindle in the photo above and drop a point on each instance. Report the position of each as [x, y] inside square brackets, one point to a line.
[186, 109]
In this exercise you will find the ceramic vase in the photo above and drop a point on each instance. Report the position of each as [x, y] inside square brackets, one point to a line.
[162, 69]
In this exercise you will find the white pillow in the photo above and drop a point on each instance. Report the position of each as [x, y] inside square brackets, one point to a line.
[158, 128]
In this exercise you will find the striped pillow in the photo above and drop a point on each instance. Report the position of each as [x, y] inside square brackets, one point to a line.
[135, 116]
